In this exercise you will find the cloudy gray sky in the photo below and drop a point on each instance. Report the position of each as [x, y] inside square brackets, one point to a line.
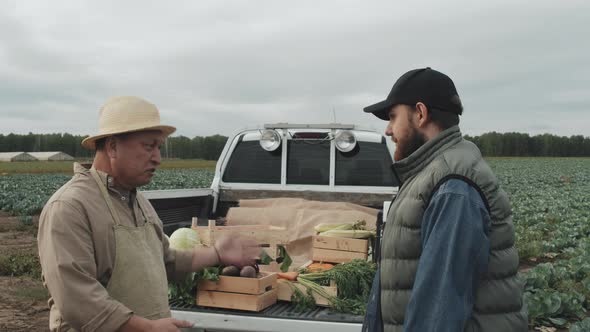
[216, 66]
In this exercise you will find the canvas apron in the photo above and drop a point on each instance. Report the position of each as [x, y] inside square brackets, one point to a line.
[139, 276]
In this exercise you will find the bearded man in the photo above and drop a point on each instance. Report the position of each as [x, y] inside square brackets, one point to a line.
[448, 260]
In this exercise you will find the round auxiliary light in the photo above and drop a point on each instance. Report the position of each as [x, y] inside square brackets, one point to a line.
[345, 141]
[270, 140]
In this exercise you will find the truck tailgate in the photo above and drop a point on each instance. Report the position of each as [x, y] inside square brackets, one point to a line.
[279, 317]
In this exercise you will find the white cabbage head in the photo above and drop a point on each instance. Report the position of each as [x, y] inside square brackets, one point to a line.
[184, 239]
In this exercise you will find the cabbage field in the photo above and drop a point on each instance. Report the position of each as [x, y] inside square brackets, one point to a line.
[25, 194]
[551, 205]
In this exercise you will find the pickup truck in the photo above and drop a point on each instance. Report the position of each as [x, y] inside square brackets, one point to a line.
[325, 162]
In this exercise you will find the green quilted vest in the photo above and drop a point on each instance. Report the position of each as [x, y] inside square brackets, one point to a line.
[498, 305]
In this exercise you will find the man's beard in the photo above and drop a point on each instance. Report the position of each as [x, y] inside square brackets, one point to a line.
[403, 149]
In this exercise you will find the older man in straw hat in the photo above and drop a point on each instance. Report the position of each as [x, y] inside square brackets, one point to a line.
[104, 255]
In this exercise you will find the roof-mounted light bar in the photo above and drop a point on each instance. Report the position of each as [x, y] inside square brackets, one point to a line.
[309, 126]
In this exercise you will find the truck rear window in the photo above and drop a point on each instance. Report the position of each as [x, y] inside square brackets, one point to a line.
[308, 162]
[250, 163]
[367, 165]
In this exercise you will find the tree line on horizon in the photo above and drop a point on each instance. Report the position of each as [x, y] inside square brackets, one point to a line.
[198, 147]
[523, 145]
[209, 147]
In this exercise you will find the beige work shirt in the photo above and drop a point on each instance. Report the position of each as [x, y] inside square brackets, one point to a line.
[77, 251]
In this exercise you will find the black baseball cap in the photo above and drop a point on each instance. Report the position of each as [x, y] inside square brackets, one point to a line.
[433, 88]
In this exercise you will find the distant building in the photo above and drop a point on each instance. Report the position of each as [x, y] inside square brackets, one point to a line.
[16, 156]
[51, 156]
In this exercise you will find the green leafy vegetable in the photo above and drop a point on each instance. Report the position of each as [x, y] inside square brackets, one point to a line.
[582, 326]
[209, 273]
[303, 301]
[265, 259]
[184, 239]
[183, 291]
[353, 279]
[285, 258]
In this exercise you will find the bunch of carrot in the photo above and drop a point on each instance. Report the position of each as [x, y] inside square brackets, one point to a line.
[312, 268]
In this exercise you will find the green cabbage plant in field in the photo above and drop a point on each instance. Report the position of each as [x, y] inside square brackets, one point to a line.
[551, 210]
[26, 194]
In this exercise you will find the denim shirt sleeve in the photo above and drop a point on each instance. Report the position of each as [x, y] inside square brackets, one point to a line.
[455, 250]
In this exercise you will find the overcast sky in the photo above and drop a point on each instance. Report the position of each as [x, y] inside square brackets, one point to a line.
[215, 66]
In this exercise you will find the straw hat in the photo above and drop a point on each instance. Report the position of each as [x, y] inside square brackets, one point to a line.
[126, 114]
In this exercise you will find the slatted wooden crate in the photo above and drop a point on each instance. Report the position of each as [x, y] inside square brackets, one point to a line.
[250, 294]
[269, 237]
[338, 249]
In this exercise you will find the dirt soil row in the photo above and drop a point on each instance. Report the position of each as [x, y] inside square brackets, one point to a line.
[23, 300]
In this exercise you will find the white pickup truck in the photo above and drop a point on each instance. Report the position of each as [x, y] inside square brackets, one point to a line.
[332, 162]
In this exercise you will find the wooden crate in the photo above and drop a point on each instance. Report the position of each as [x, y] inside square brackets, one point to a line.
[269, 237]
[338, 250]
[285, 291]
[272, 267]
[251, 294]
[248, 302]
[265, 282]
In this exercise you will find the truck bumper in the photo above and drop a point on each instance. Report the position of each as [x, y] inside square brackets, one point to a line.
[226, 322]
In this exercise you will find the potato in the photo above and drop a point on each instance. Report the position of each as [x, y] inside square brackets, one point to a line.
[248, 272]
[230, 270]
